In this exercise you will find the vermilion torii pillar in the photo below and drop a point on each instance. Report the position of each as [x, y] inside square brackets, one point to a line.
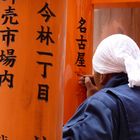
[32, 49]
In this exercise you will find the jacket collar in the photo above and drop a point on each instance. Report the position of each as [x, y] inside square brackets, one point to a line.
[117, 80]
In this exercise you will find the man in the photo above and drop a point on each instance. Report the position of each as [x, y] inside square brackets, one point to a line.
[113, 112]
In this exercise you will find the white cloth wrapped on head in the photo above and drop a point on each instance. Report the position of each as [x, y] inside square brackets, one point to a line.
[118, 53]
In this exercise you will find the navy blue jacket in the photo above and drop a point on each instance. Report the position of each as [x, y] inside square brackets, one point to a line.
[113, 113]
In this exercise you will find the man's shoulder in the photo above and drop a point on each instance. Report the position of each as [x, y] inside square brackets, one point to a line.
[111, 96]
[109, 100]
[124, 92]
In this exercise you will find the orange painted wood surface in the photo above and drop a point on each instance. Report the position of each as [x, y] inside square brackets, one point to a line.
[78, 53]
[115, 3]
[31, 69]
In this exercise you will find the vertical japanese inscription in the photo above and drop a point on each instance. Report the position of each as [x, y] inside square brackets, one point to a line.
[3, 137]
[9, 21]
[8, 35]
[46, 12]
[45, 36]
[38, 138]
[13, 1]
[81, 43]
[9, 16]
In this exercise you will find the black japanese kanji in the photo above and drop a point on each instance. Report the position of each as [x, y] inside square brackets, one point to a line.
[45, 65]
[13, 1]
[45, 35]
[81, 27]
[9, 58]
[3, 137]
[45, 53]
[9, 15]
[43, 93]
[81, 42]
[8, 35]
[80, 60]
[7, 78]
[46, 12]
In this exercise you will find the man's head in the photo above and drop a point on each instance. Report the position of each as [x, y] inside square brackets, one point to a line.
[101, 79]
[115, 54]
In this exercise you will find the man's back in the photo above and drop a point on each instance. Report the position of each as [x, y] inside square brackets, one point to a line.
[110, 114]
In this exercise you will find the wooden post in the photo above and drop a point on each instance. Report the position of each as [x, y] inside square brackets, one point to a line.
[32, 49]
[78, 52]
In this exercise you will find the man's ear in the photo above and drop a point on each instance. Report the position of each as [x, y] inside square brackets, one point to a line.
[104, 78]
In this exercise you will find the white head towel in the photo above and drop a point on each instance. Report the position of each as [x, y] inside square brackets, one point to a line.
[118, 53]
